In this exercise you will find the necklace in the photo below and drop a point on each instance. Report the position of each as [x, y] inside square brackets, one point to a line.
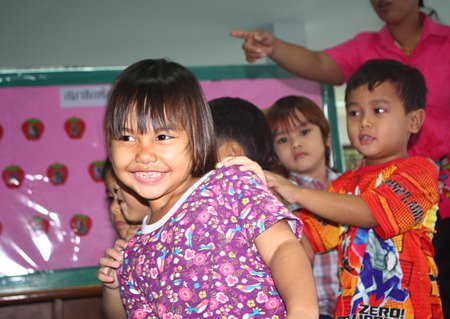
[409, 43]
[407, 50]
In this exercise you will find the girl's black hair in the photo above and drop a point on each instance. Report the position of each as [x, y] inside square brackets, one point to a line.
[158, 94]
[242, 121]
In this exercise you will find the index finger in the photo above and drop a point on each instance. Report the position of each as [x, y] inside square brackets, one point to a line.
[240, 34]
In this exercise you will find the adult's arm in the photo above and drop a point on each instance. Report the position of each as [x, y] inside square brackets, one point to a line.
[297, 59]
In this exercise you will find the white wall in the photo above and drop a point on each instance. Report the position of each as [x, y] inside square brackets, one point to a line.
[193, 32]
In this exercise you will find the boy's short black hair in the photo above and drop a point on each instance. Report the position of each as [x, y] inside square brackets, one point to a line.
[242, 121]
[409, 81]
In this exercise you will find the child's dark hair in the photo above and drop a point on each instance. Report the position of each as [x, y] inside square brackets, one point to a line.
[163, 95]
[107, 169]
[283, 116]
[242, 121]
[408, 81]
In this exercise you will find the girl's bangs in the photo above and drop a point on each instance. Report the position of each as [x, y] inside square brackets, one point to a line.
[147, 111]
[286, 122]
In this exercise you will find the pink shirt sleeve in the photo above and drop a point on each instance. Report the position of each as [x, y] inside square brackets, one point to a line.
[350, 54]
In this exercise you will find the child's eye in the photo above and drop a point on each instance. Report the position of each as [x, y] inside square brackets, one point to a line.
[126, 138]
[351, 113]
[379, 110]
[305, 132]
[163, 137]
[281, 140]
[109, 198]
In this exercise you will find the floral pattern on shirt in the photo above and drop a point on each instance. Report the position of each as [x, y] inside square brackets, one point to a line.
[202, 262]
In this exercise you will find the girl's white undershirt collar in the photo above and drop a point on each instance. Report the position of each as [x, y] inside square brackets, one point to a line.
[152, 227]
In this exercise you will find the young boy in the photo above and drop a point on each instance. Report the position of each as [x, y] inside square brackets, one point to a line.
[380, 217]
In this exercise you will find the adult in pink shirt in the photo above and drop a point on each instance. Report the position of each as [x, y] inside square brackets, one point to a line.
[431, 56]
[408, 36]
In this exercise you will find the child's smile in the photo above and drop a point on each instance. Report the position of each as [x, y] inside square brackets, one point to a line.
[149, 177]
[156, 164]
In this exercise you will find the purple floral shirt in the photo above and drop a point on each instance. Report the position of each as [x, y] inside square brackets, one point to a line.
[200, 260]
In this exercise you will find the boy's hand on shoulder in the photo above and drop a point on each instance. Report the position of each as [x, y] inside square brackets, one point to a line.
[282, 186]
[245, 164]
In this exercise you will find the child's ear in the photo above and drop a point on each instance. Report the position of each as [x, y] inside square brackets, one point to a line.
[328, 141]
[237, 149]
[417, 117]
[233, 148]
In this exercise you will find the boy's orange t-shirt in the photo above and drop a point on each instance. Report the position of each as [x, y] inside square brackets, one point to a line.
[387, 271]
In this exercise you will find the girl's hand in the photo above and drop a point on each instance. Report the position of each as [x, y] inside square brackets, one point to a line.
[245, 164]
[107, 273]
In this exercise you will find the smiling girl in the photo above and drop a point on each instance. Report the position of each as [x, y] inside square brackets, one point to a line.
[217, 243]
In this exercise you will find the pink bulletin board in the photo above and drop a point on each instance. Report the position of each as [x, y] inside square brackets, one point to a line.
[50, 219]
[262, 92]
[53, 209]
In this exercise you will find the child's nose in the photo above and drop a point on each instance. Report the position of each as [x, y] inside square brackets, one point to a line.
[145, 155]
[297, 142]
[366, 121]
